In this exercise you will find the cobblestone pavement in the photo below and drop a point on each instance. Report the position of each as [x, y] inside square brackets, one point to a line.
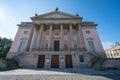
[60, 74]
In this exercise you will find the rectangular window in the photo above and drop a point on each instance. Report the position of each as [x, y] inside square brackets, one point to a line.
[87, 32]
[22, 46]
[26, 32]
[91, 46]
[81, 58]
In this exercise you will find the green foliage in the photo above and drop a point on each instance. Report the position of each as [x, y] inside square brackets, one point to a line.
[5, 45]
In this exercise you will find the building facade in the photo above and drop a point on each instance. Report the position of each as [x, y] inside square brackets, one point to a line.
[113, 52]
[56, 40]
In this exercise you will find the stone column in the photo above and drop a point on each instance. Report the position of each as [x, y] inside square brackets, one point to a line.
[61, 37]
[82, 42]
[34, 37]
[71, 37]
[78, 40]
[39, 37]
[50, 36]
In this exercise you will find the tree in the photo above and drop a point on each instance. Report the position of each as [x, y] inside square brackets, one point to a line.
[5, 45]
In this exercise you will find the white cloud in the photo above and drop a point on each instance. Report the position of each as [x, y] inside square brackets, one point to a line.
[107, 44]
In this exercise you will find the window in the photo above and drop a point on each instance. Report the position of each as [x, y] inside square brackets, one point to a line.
[81, 58]
[87, 32]
[91, 46]
[22, 46]
[26, 32]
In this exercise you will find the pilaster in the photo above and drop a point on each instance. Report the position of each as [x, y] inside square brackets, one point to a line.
[61, 37]
[82, 42]
[34, 37]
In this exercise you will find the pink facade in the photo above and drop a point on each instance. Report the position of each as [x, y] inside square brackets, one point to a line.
[93, 36]
[56, 40]
[67, 29]
[19, 36]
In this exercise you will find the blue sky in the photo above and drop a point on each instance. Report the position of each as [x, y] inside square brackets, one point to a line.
[105, 13]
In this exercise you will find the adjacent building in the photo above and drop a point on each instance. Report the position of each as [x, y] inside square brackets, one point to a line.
[56, 40]
[113, 52]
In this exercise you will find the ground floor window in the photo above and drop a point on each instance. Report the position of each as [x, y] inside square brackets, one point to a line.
[81, 58]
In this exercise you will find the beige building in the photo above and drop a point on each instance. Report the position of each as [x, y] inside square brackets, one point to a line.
[56, 40]
[113, 52]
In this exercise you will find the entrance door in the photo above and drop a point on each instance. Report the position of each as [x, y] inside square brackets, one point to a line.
[55, 61]
[41, 61]
[68, 61]
[56, 45]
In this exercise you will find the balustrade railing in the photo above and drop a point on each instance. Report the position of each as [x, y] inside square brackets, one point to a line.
[52, 49]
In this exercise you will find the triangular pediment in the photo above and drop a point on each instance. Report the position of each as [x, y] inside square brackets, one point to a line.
[55, 14]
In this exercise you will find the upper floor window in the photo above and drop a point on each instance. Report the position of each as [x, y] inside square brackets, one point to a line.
[22, 46]
[26, 32]
[91, 46]
[87, 32]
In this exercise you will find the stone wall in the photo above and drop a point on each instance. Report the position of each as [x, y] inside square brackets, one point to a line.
[27, 60]
[113, 63]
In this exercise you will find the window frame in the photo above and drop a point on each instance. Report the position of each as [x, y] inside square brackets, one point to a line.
[81, 58]
[87, 32]
[22, 46]
[91, 45]
[26, 32]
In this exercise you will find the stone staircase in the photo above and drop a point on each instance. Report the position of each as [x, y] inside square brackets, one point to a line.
[10, 64]
[97, 61]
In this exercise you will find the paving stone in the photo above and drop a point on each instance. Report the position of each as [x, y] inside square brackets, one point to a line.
[59, 74]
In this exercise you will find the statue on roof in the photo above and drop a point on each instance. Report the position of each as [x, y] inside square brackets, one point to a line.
[36, 14]
[56, 9]
[77, 14]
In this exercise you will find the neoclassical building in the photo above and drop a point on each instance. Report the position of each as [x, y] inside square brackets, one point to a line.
[113, 52]
[56, 40]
